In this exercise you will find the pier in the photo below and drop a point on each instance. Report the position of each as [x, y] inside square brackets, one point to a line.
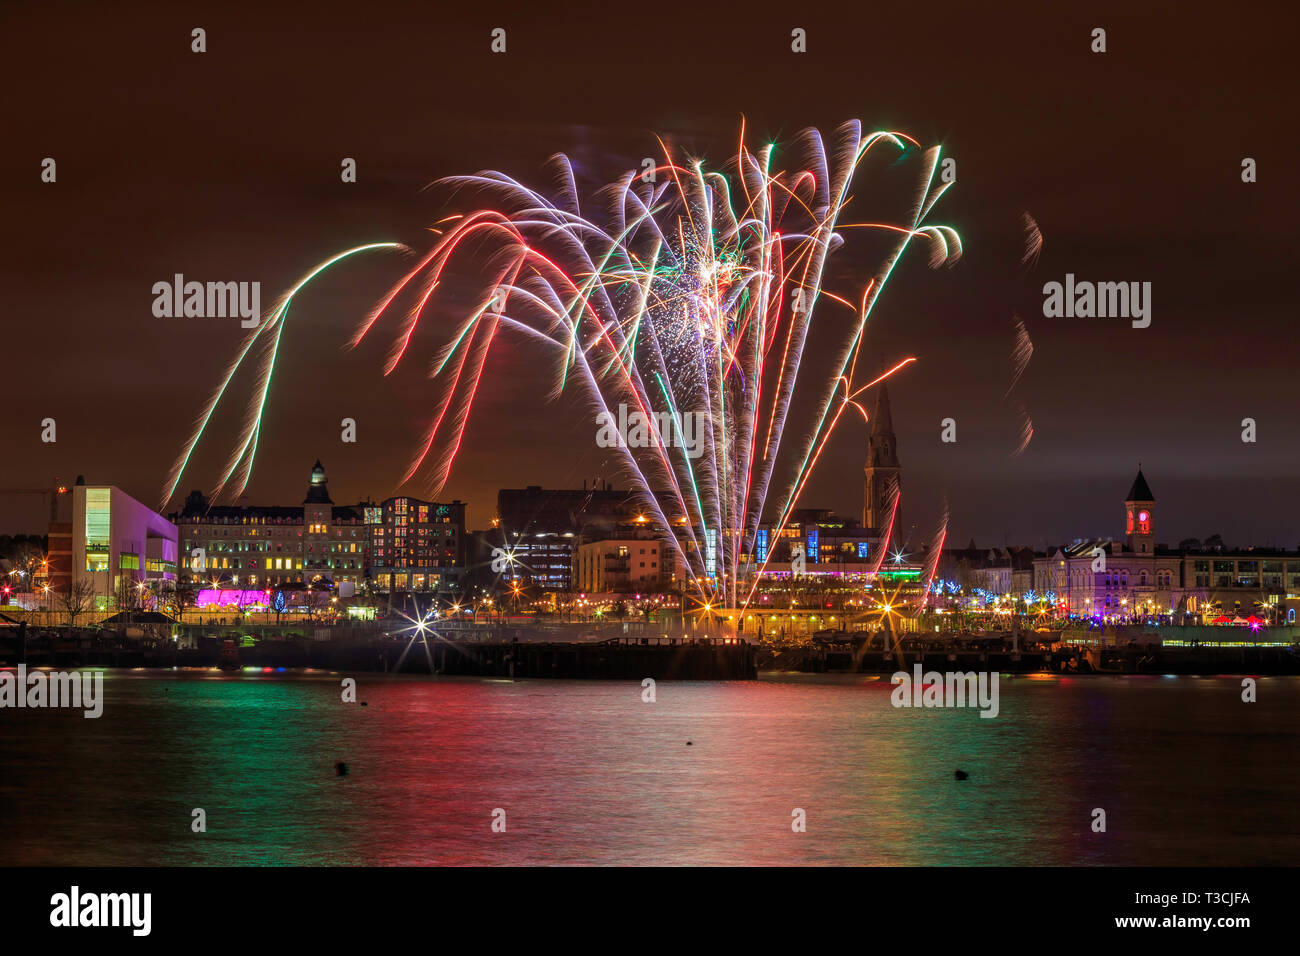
[634, 652]
[482, 653]
[1056, 659]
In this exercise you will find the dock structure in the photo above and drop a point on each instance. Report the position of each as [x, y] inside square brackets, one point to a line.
[1058, 660]
[587, 653]
[619, 658]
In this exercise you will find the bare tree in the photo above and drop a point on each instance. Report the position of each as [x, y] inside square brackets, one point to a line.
[30, 560]
[173, 597]
[165, 600]
[77, 600]
[128, 593]
[187, 594]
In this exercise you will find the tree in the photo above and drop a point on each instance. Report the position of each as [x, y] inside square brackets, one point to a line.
[174, 596]
[77, 600]
[165, 599]
[316, 595]
[185, 594]
[20, 549]
[128, 593]
[31, 561]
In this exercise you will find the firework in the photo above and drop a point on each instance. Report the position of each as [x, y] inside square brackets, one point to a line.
[1023, 349]
[1026, 432]
[887, 534]
[1033, 241]
[694, 291]
[1021, 353]
[266, 337]
[932, 557]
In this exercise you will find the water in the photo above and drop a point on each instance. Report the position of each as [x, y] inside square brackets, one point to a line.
[1188, 774]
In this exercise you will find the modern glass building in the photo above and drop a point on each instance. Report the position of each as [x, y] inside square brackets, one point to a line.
[118, 544]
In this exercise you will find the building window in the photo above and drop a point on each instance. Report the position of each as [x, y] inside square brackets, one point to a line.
[98, 522]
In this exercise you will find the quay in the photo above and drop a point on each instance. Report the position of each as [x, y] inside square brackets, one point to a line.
[485, 653]
[1056, 657]
[633, 652]
[1180, 661]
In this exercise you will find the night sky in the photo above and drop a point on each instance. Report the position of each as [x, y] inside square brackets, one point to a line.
[225, 166]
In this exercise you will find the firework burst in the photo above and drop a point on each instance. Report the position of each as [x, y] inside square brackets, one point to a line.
[694, 291]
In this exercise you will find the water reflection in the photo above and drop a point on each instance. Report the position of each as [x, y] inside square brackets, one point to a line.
[588, 773]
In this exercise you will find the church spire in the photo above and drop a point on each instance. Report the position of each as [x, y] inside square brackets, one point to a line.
[882, 449]
[882, 472]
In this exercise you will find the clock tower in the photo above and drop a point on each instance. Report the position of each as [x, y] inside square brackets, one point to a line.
[1139, 521]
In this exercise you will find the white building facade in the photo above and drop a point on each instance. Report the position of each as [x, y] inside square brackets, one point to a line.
[119, 544]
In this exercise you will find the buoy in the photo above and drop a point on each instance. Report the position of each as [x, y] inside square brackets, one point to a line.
[364, 704]
[688, 743]
[341, 769]
[961, 774]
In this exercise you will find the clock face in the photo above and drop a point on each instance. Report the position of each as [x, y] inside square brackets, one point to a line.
[1143, 516]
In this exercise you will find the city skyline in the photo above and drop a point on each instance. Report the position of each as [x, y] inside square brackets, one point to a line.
[33, 515]
[615, 436]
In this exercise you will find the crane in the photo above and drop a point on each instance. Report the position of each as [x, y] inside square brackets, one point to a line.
[54, 490]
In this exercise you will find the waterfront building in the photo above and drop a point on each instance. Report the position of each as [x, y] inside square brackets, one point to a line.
[831, 545]
[251, 547]
[542, 528]
[621, 565]
[998, 572]
[547, 533]
[416, 547]
[1136, 577]
[119, 546]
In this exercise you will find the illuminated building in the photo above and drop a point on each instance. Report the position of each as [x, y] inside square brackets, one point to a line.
[620, 565]
[242, 546]
[831, 545]
[995, 571]
[119, 545]
[543, 528]
[416, 546]
[1138, 578]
